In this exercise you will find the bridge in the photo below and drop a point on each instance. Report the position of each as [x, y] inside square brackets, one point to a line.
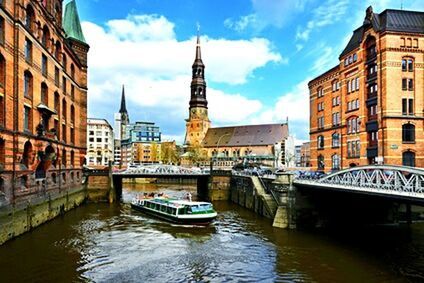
[382, 180]
[160, 170]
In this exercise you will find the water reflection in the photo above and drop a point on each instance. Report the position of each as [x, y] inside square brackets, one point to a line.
[113, 243]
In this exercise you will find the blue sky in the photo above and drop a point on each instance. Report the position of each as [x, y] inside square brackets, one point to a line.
[259, 56]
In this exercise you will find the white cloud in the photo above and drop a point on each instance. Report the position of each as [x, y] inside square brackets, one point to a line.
[328, 13]
[266, 13]
[143, 53]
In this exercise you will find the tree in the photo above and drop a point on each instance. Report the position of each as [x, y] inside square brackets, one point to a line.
[169, 153]
[196, 154]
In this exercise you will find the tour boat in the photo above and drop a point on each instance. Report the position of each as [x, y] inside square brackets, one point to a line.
[175, 210]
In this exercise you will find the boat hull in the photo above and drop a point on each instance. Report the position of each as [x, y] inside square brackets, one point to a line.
[199, 219]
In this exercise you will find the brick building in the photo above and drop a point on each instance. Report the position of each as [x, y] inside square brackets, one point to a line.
[369, 108]
[43, 98]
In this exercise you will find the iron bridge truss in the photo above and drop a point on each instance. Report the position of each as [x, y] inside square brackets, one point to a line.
[397, 181]
[161, 170]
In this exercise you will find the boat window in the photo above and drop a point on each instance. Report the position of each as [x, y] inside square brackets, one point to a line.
[181, 210]
[174, 211]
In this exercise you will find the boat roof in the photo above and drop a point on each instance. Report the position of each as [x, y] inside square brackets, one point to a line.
[177, 201]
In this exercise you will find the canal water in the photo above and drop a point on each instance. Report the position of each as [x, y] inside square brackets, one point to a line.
[113, 243]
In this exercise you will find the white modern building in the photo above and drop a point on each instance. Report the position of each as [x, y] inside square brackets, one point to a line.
[100, 142]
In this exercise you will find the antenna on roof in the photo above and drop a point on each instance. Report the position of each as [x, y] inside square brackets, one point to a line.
[401, 4]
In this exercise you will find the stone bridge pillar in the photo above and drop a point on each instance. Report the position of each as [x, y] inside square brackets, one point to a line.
[285, 193]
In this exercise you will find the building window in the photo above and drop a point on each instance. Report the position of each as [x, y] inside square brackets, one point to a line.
[335, 162]
[64, 133]
[407, 84]
[72, 91]
[44, 94]
[56, 103]
[320, 142]
[320, 106]
[58, 51]
[1, 111]
[335, 140]
[408, 133]
[28, 50]
[321, 163]
[64, 157]
[2, 30]
[407, 106]
[56, 76]
[64, 108]
[320, 122]
[72, 114]
[29, 18]
[72, 158]
[2, 73]
[353, 149]
[320, 92]
[72, 136]
[336, 101]
[44, 65]
[2, 152]
[73, 71]
[336, 119]
[28, 84]
[353, 125]
[45, 37]
[408, 158]
[64, 85]
[27, 119]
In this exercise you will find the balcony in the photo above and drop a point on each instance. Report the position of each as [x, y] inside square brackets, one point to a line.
[371, 101]
[372, 94]
[372, 151]
[372, 126]
[371, 77]
[371, 58]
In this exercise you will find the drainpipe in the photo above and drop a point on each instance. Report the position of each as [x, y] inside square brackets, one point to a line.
[15, 98]
[381, 101]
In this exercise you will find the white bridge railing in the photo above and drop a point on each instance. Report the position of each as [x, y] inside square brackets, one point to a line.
[382, 179]
[161, 169]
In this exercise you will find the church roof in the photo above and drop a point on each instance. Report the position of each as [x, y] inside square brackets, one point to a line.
[123, 108]
[250, 135]
[71, 22]
[388, 20]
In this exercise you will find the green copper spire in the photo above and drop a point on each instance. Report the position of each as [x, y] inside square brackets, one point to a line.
[71, 22]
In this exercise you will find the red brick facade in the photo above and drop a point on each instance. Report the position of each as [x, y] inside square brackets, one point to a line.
[43, 101]
[369, 108]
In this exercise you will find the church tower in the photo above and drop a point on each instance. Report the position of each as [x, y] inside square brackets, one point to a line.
[198, 122]
[122, 118]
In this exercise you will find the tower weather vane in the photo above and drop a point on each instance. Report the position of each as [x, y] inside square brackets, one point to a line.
[198, 28]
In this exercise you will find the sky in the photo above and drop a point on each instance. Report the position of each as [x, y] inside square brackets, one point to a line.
[259, 57]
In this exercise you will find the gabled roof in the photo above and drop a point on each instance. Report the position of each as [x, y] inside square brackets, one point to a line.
[71, 22]
[251, 135]
[388, 20]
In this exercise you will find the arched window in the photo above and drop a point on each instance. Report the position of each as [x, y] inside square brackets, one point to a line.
[335, 140]
[27, 155]
[73, 71]
[408, 133]
[320, 142]
[29, 18]
[72, 114]
[46, 37]
[371, 49]
[321, 163]
[28, 84]
[44, 94]
[58, 50]
[353, 125]
[335, 162]
[408, 158]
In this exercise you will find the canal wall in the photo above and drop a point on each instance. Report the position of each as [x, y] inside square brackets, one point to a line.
[20, 218]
